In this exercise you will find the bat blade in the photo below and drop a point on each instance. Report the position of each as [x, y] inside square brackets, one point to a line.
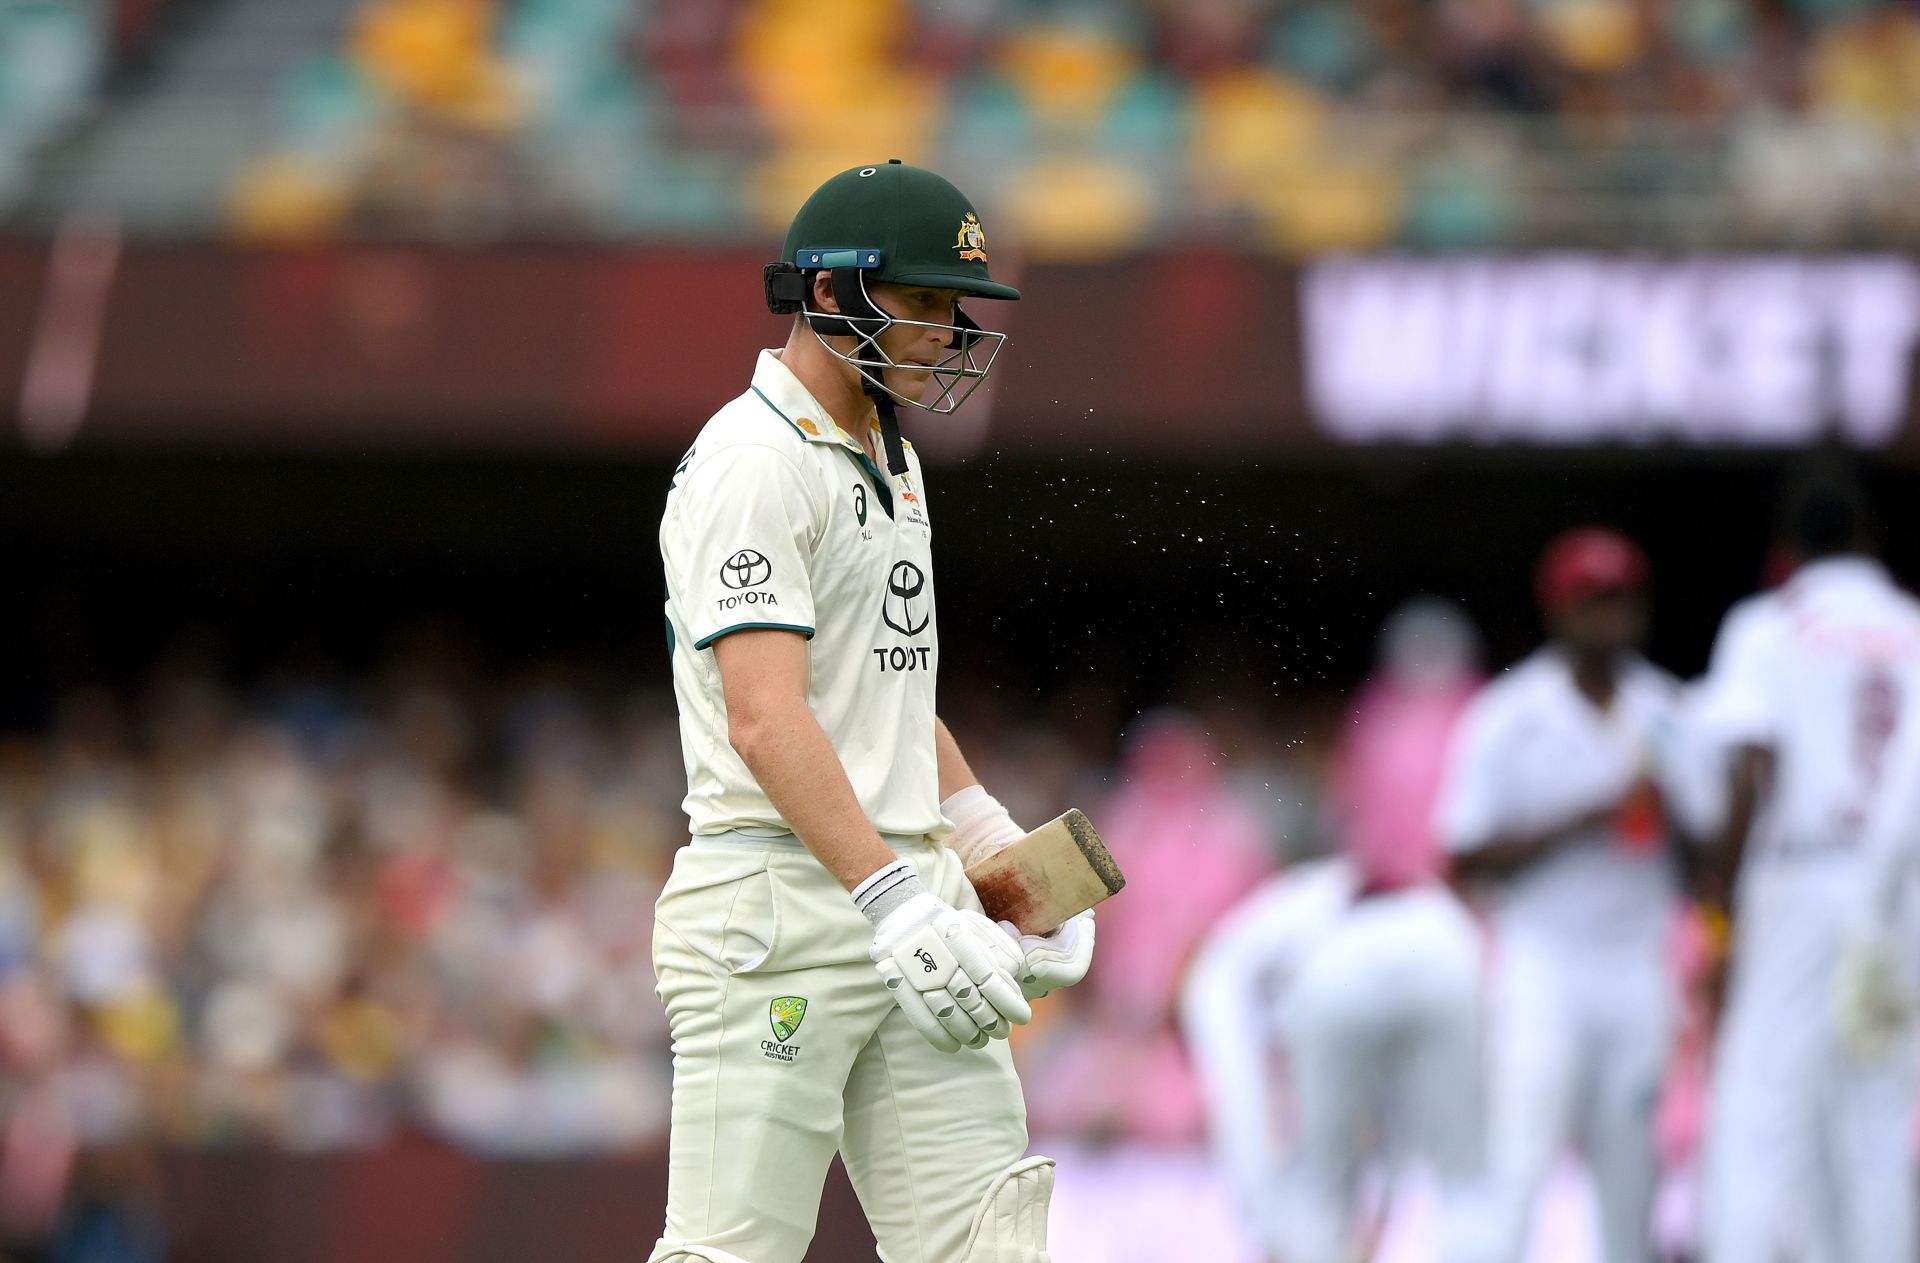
[1053, 874]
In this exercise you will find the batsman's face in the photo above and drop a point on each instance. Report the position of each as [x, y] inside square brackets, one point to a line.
[913, 343]
[905, 344]
[1606, 624]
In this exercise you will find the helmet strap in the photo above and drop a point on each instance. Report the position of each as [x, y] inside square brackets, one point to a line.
[859, 318]
[889, 425]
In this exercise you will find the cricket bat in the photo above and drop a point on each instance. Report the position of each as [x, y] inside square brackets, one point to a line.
[1053, 874]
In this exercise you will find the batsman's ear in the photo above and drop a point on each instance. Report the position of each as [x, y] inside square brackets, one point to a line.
[823, 299]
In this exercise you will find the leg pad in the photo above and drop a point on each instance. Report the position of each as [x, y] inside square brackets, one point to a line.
[1011, 1224]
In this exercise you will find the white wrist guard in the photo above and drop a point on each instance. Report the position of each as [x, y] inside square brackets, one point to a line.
[886, 889]
[981, 825]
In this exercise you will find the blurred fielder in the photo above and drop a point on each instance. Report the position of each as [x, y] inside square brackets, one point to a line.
[798, 555]
[1363, 974]
[1551, 797]
[1814, 690]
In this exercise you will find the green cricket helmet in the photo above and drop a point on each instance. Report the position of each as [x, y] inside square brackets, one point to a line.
[891, 222]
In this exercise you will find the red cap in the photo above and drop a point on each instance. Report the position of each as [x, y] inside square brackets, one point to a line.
[1586, 562]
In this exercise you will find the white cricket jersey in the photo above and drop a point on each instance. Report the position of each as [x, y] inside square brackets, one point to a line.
[1531, 753]
[777, 518]
[1704, 756]
[1825, 672]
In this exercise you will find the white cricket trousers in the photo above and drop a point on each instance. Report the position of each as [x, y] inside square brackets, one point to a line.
[1383, 1028]
[1809, 1151]
[745, 930]
[1580, 1035]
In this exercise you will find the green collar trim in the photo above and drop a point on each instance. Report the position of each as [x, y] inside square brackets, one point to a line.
[880, 486]
[776, 411]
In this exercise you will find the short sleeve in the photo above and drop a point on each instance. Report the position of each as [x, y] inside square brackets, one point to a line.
[1738, 703]
[739, 544]
[1467, 813]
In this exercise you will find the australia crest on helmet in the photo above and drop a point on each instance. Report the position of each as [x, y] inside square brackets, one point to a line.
[972, 241]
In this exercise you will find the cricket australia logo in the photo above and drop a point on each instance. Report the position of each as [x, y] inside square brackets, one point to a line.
[785, 1015]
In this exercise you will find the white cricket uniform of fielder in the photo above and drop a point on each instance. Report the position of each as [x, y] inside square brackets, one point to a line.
[786, 1046]
[1808, 1149]
[1580, 1016]
[1371, 1003]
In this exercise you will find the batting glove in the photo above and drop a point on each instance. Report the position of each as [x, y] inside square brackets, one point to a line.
[1051, 961]
[951, 971]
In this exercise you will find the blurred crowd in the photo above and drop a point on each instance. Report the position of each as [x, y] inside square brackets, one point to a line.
[52, 53]
[1087, 129]
[321, 916]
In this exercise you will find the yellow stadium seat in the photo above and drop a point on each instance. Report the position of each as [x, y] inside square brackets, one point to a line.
[1330, 205]
[1077, 209]
[1068, 76]
[1596, 36]
[1247, 125]
[434, 54]
[287, 198]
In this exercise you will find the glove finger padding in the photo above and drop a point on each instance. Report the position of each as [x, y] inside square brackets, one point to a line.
[989, 960]
[914, 1007]
[973, 1002]
[989, 1019]
[957, 1021]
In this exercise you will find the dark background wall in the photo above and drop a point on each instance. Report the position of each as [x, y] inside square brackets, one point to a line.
[1149, 579]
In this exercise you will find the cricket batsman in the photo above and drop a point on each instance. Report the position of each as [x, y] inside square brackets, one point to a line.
[1814, 695]
[830, 981]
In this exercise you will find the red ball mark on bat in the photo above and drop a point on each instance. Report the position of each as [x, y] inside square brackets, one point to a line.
[1009, 895]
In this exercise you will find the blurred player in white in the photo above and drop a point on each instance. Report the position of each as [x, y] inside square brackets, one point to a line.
[1814, 692]
[1551, 799]
[1363, 974]
[832, 813]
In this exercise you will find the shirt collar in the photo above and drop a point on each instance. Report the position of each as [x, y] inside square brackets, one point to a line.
[781, 391]
[1843, 568]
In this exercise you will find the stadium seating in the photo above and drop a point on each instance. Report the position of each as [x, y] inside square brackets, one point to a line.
[50, 58]
[1093, 129]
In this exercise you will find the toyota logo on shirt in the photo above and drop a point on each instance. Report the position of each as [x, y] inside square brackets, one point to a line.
[745, 569]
